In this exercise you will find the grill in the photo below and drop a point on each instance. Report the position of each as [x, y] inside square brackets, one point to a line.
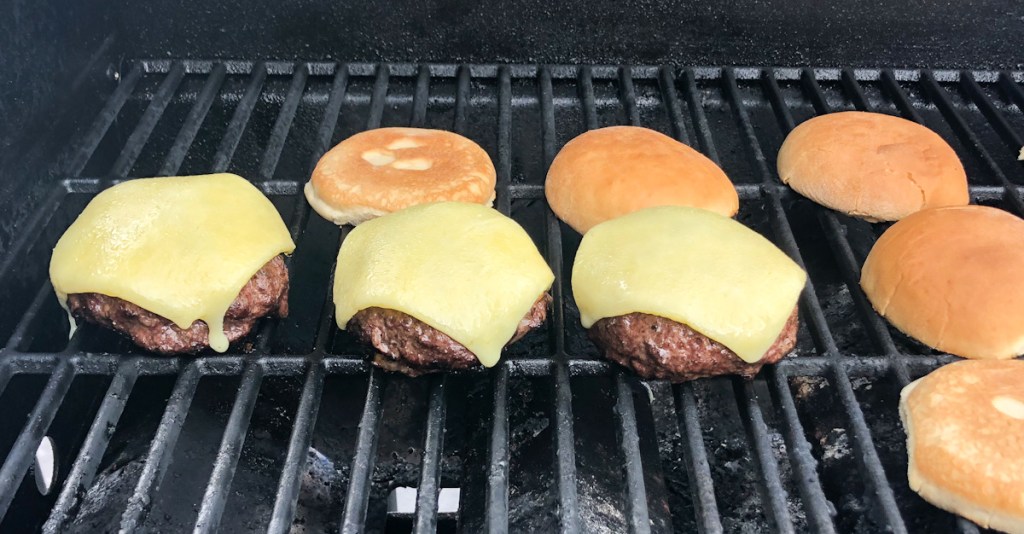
[298, 433]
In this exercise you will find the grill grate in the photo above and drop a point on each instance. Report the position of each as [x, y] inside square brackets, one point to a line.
[665, 463]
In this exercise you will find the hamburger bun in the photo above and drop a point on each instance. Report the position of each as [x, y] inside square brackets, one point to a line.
[964, 425]
[609, 172]
[871, 165]
[951, 278]
[380, 171]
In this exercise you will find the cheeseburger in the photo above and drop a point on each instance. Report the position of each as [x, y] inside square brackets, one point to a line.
[442, 286]
[680, 293]
[176, 264]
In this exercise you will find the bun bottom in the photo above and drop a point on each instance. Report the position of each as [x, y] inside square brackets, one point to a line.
[349, 214]
[945, 499]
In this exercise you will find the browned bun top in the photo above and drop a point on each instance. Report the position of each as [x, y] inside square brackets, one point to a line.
[387, 169]
[952, 278]
[965, 440]
[605, 173]
[872, 165]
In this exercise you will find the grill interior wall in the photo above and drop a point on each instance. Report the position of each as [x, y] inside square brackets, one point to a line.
[299, 428]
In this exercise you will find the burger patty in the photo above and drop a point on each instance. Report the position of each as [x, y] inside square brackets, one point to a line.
[662, 349]
[410, 346]
[266, 294]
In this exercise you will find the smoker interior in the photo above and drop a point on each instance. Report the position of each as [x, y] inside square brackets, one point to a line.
[293, 431]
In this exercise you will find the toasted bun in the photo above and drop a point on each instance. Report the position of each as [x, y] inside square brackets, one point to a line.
[603, 174]
[384, 170]
[951, 278]
[870, 165]
[964, 426]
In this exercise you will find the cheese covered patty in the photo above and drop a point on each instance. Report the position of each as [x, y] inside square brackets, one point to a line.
[181, 248]
[462, 269]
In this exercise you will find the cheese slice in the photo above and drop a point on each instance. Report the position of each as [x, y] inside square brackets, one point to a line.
[694, 267]
[463, 269]
[182, 247]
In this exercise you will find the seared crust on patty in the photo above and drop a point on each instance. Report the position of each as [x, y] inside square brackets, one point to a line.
[266, 294]
[410, 346]
[661, 349]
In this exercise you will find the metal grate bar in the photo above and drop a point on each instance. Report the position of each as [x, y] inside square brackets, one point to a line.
[433, 448]
[283, 124]
[504, 170]
[667, 82]
[20, 337]
[154, 111]
[461, 100]
[999, 123]
[819, 511]
[709, 521]
[84, 469]
[967, 135]
[565, 453]
[497, 473]
[160, 449]
[586, 91]
[1012, 90]
[330, 119]
[87, 146]
[700, 120]
[358, 494]
[240, 119]
[298, 450]
[639, 519]
[216, 494]
[627, 94]
[194, 120]
[896, 94]
[421, 98]
[866, 452]
[22, 453]
[771, 488]
[30, 231]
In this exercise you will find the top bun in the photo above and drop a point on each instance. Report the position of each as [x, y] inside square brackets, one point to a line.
[380, 171]
[873, 166]
[606, 173]
[951, 278]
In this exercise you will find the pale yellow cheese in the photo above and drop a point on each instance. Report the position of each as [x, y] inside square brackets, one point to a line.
[462, 268]
[182, 247]
[694, 267]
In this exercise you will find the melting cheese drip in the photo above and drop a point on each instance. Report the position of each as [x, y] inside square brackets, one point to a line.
[694, 267]
[463, 269]
[182, 247]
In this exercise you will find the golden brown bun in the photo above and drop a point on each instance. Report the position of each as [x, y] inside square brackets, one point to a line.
[870, 165]
[952, 278]
[606, 173]
[379, 171]
[965, 441]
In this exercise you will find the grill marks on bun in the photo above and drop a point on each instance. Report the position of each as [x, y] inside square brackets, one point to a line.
[384, 170]
[965, 440]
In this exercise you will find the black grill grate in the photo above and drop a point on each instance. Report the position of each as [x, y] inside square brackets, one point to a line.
[665, 462]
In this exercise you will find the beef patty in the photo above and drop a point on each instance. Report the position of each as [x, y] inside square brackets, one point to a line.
[410, 346]
[662, 349]
[265, 294]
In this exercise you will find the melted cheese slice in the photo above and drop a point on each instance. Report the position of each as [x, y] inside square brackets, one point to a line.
[463, 269]
[182, 248]
[694, 267]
